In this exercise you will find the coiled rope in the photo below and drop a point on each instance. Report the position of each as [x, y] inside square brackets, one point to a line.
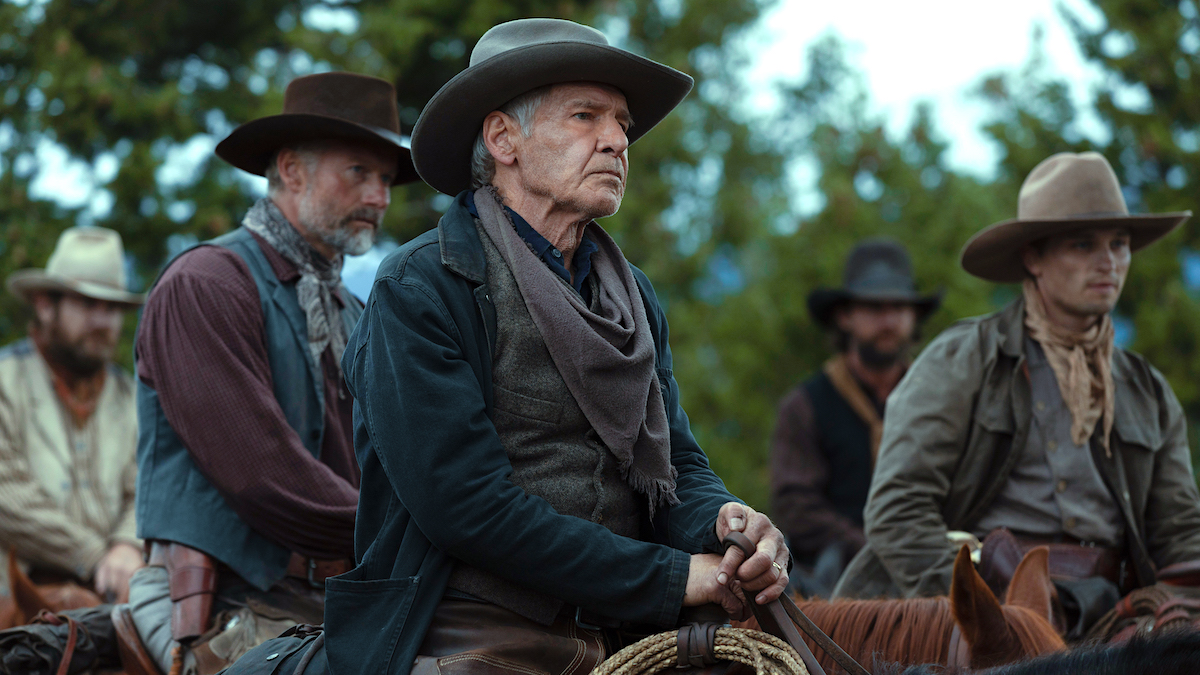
[766, 654]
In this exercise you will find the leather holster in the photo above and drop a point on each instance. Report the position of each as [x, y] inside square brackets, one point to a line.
[192, 580]
[1003, 551]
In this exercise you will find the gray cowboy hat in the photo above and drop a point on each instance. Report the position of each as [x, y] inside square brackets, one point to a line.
[877, 270]
[344, 106]
[1064, 193]
[515, 57]
[89, 261]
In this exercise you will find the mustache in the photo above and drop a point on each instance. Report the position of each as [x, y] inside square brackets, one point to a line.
[373, 216]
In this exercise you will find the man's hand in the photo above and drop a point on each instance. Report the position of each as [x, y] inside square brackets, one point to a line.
[766, 570]
[702, 587]
[115, 569]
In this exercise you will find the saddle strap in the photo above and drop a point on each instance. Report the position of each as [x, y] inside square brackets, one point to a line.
[696, 645]
[45, 616]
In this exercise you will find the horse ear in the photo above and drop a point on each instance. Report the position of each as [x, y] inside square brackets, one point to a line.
[978, 614]
[28, 599]
[1030, 586]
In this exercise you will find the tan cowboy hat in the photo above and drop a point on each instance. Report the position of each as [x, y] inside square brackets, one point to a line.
[1064, 193]
[316, 107]
[89, 261]
[515, 57]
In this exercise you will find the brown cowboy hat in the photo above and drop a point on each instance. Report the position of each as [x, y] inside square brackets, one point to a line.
[89, 261]
[1064, 193]
[323, 106]
[515, 57]
[877, 270]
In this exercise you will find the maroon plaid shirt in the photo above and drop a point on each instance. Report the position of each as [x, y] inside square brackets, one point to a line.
[202, 346]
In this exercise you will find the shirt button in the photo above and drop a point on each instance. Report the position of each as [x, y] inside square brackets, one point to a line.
[1071, 523]
[1052, 446]
[1062, 486]
[1041, 406]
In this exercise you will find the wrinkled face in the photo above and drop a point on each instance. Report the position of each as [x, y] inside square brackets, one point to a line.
[881, 332]
[576, 154]
[80, 333]
[347, 190]
[1081, 273]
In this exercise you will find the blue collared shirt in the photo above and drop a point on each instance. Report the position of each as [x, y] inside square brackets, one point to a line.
[549, 254]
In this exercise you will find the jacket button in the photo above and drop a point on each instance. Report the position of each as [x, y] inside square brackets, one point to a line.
[1071, 523]
[1061, 487]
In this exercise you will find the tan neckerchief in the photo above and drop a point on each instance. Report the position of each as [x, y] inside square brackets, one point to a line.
[1082, 364]
[844, 382]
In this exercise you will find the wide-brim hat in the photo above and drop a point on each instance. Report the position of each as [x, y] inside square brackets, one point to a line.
[89, 261]
[1065, 193]
[877, 270]
[340, 106]
[518, 56]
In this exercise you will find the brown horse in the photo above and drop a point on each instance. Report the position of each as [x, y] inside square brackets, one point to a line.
[26, 599]
[924, 630]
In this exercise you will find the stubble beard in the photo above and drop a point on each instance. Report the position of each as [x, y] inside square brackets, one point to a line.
[319, 220]
[588, 211]
[876, 359]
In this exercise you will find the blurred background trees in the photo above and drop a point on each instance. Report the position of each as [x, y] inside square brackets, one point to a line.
[136, 93]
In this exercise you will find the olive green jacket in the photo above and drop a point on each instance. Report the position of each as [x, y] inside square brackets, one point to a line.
[952, 435]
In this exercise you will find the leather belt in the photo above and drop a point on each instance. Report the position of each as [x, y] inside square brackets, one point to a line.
[314, 571]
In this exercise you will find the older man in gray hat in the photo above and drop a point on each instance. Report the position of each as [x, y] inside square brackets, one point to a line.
[827, 433]
[531, 490]
[68, 424]
[1029, 427]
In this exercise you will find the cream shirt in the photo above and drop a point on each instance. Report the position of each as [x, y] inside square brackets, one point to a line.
[66, 493]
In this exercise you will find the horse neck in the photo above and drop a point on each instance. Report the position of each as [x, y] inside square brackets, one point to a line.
[913, 630]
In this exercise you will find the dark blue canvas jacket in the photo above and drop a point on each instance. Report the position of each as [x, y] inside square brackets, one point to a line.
[435, 478]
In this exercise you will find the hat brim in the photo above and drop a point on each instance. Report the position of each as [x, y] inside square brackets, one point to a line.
[445, 133]
[824, 302]
[994, 253]
[251, 146]
[23, 282]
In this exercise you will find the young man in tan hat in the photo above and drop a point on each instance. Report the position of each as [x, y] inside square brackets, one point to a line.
[248, 480]
[1028, 427]
[827, 434]
[531, 488]
[68, 424]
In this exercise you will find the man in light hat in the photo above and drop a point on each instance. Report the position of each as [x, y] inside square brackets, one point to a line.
[68, 425]
[827, 434]
[1027, 427]
[530, 485]
[248, 480]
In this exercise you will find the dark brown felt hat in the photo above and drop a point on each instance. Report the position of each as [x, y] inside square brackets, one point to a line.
[323, 106]
[877, 270]
[1064, 193]
[515, 57]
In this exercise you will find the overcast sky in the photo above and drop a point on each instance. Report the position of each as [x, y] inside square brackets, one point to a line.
[935, 50]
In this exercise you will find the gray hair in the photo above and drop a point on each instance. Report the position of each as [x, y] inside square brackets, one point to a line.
[309, 152]
[522, 109]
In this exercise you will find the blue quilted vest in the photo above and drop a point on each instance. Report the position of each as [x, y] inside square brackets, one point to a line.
[175, 502]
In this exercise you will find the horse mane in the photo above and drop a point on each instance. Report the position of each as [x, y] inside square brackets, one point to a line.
[913, 630]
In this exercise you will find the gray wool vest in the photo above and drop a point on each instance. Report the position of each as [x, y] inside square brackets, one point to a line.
[554, 452]
[175, 502]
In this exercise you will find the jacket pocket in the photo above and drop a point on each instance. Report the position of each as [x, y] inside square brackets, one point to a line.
[528, 407]
[363, 621]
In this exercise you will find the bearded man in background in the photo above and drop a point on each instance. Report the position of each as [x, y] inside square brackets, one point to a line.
[824, 445]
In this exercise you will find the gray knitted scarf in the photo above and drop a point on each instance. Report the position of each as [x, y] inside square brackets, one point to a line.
[606, 358]
[319, 278]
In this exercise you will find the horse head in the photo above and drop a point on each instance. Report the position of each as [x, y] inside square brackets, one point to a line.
[993, 634]
[29, 598]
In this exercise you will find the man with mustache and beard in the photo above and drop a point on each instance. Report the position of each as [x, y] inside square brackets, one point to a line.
[248, 482]
[1029, 427]
[68, 424]
[824, 444]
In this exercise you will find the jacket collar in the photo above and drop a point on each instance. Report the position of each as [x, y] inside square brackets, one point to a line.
[1010, 328]
[462, 253]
